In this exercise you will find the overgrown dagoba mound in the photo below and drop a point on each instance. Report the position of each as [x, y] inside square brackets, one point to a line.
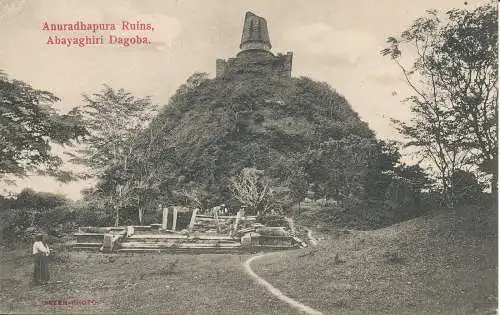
[252, 114]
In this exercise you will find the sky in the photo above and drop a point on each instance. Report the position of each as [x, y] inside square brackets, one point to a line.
[335, 41]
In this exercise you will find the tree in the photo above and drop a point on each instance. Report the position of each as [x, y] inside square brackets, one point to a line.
[30, 199]
[116, 121]
[133, 187]
[197, 196]
[341, 167]
[454, 81]
[298, 185]
[415, 174]
[466, 188]
[379, 169]
[405, 189]
[34, 211]
[29, 126]
[252, 190]
[37, 204]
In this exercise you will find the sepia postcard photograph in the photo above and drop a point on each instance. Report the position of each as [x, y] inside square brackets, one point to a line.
[249, 157]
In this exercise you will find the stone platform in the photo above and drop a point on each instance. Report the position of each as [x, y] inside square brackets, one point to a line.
[205, 234]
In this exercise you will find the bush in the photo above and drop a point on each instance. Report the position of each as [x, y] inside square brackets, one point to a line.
[153, 217]
[394, 257]
[23, 224]
[466, 188]
[58, 221]
[17, 226]
[60, 257]
[93, 217]
[272, 220]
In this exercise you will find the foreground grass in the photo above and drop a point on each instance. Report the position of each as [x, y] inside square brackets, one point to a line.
[438, 264]
[135, 283]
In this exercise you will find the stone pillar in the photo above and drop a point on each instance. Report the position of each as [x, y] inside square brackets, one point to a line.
[240, 214]
[291, 225]
[107, 245]
[165, 219]
[217, 221]
[246, 240]
[193, 220]
[130, 231]
[174, 222]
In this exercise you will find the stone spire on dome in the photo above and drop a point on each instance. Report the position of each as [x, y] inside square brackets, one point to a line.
[255, 56]
[255, 35]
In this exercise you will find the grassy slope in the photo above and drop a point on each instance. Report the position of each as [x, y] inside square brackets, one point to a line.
[200, 284]
[438, 264]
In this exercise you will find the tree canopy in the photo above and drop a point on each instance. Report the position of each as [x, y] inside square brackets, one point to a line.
[115, 120]
[455, 94]
[29, 126]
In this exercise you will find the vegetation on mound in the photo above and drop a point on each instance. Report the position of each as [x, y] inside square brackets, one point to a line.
[214, 128]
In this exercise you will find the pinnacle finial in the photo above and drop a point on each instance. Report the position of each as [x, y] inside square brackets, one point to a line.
[255, 35]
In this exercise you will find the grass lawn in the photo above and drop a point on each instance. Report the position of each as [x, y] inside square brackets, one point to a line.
[135, 283]
[438, 264]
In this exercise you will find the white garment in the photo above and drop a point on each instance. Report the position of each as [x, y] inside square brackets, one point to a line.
[38, 247]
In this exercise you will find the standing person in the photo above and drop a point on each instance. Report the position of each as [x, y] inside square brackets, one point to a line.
[41, 255]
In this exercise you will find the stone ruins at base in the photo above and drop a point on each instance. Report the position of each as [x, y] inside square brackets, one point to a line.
[255, 56]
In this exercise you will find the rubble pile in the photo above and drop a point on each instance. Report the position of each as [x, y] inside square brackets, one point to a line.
[275, 231]
[208, 224]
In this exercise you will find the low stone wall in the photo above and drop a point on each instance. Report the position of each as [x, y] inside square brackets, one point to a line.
[103, 238]
[94, 229]
[82, 238]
